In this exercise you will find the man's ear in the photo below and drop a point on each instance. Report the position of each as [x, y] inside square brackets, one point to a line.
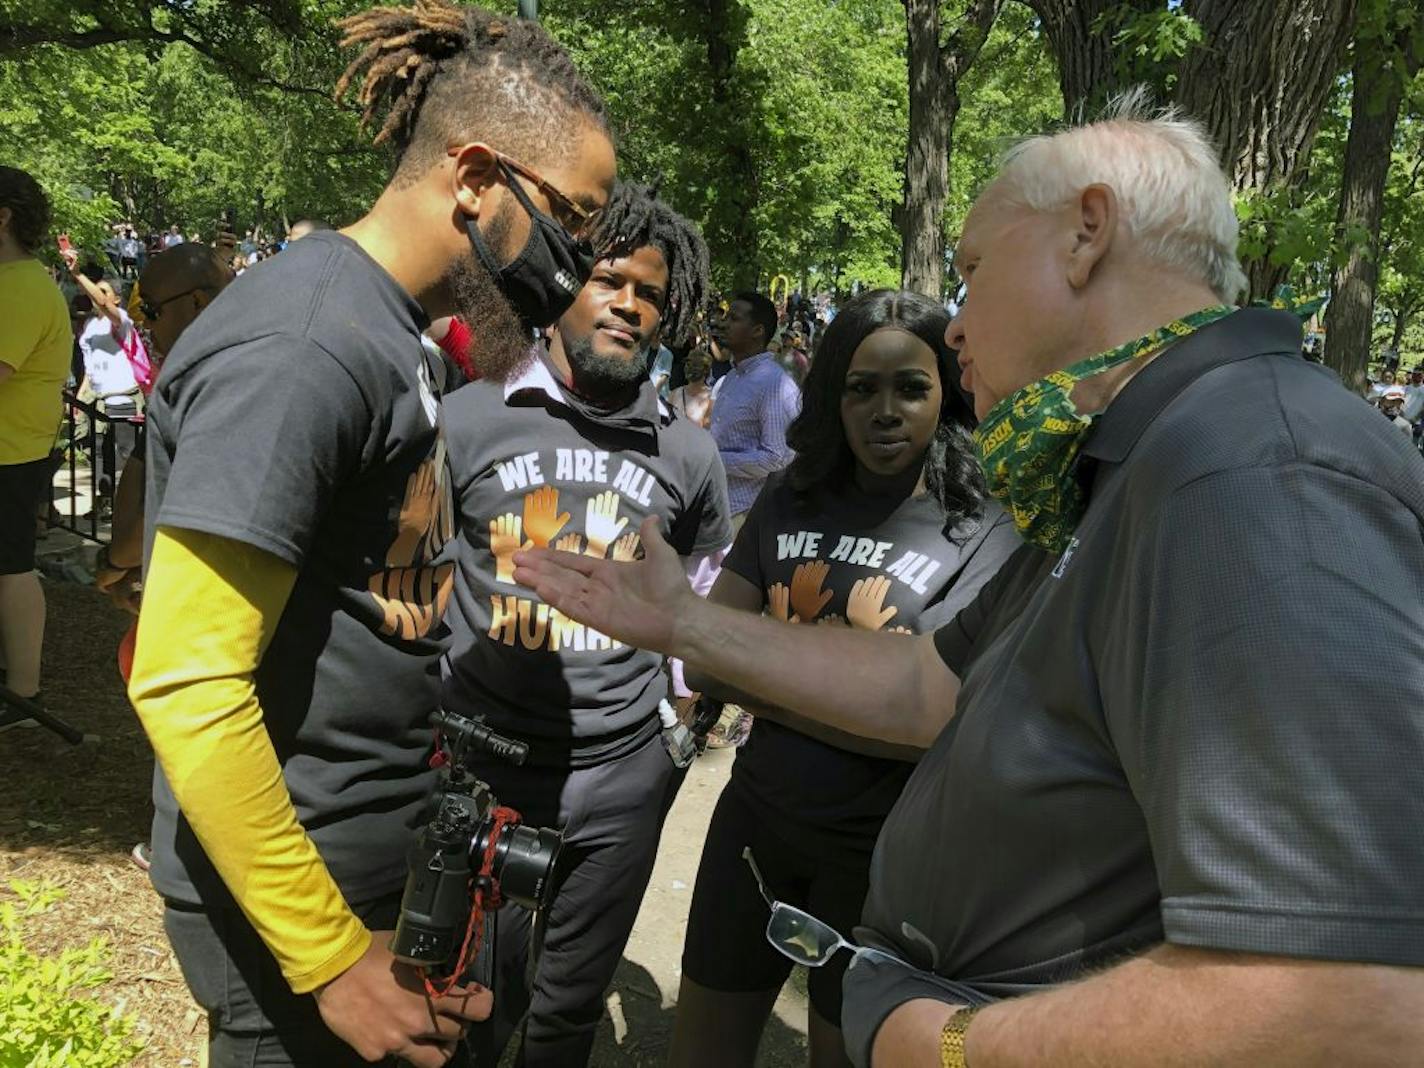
[1096, 226]
[476, 169]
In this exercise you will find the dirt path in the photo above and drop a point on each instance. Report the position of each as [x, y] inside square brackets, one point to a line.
[69, 816]
[638, 1024]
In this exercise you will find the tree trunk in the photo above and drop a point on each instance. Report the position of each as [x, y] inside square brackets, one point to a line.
[927, 161]
[1374, 110]
[734, 228]
[1087, 72]
[1402, 314]
[934, 72]
[1260, 81]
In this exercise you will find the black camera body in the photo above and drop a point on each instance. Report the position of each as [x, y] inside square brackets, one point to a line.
[471, 854]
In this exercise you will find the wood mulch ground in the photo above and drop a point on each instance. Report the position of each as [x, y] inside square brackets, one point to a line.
[70, 814]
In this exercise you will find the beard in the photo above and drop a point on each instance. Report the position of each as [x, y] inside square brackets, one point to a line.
[499, 342]
[605, 377]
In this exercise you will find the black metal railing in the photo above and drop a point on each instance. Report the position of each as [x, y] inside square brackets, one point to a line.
[88, 435]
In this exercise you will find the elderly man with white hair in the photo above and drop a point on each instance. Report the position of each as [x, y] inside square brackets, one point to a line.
[1168, 813]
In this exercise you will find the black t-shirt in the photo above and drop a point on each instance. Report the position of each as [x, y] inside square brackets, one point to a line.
[544, 464]
[1179, 727]
[297, 416]
[880, 564]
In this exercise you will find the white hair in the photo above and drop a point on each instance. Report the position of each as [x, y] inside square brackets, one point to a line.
[1170, 188]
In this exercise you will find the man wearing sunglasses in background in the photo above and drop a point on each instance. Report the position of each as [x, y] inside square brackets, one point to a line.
[176, 285]
[298, 499]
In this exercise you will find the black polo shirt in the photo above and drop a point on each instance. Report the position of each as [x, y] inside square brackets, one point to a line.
[1204, 721]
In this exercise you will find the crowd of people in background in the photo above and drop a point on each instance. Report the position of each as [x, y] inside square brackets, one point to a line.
[1399, 395]
[129, 247]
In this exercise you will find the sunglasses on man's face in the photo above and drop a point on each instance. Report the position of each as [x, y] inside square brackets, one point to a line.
[152, 309]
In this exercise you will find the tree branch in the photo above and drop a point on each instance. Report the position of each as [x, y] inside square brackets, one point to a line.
[15, 38]
[962, 46]
[1414, 174]
[1008, 45]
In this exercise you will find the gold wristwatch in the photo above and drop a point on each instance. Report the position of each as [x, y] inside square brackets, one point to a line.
[951, 1039]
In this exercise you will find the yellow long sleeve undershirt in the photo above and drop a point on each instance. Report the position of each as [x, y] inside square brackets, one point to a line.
[210, 606]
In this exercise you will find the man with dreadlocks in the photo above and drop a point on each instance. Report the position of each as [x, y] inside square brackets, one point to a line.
[300, 496]
[576, 452]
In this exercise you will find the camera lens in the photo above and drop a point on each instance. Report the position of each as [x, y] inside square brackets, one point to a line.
[524, 864]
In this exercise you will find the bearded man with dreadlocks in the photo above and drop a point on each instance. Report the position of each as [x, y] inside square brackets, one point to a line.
[294, 592]
[575, 453]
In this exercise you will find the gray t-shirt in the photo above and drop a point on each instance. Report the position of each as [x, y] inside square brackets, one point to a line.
[1179, 728]
[297, 416]
[541, 463]
[842, 556]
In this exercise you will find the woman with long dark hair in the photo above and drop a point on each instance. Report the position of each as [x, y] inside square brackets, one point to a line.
[880, 522]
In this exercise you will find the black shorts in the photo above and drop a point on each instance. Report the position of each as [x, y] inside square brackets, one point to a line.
[22, 488]
[726, 947]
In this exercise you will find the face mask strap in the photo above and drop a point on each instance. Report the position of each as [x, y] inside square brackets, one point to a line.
[482, 246]
[483, 250]
[511, 180]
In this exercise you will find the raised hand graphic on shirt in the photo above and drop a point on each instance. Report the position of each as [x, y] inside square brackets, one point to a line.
[601, 525]
[865, 608]
[831, 619]
[778, 603]
[416, 512]
[569, 543]
[505, 541]
[807, 597]
[542, 518]
[627, 548]
[410, 592]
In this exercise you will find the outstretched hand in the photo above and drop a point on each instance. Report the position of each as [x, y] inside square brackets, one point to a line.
[641, 602]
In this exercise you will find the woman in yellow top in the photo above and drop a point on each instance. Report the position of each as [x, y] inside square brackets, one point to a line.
[35, 346]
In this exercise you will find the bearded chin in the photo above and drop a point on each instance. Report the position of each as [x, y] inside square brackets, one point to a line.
[600, 377]
[499, 342]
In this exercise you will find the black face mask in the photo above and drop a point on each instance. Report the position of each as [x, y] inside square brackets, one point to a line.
[543, 280]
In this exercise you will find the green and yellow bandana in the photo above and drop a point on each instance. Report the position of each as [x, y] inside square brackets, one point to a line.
[1029, 442]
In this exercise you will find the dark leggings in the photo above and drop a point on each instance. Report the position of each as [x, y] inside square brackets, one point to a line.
[726, 947]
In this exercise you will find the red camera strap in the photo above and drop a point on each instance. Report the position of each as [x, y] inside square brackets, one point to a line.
[481, 902]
